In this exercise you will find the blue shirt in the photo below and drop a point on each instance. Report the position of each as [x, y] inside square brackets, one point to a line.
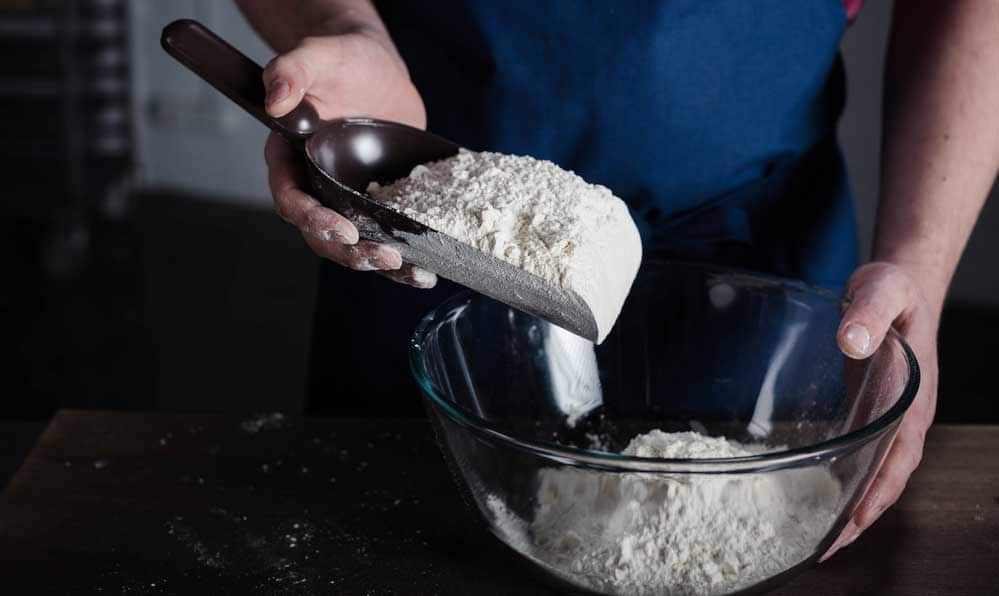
[714, 119]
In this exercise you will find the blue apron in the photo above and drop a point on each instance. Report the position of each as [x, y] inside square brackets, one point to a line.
[715, 120]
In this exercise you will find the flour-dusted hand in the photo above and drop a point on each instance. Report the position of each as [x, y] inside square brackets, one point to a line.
[329, 234]
[882, 295]
[342, 60]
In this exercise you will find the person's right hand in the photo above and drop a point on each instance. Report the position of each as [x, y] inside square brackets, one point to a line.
[355, 73]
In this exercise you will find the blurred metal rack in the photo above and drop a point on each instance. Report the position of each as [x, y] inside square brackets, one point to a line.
[65, 111]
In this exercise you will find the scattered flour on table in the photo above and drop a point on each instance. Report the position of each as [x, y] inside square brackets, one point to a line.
[273, 421]
[532, 214]
[649, 534]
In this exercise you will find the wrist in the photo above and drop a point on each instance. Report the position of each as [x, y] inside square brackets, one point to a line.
[348, 22]
[353, 17]
[360, 23]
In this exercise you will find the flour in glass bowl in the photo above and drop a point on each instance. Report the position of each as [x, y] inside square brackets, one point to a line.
[645, 534]
[532, 214]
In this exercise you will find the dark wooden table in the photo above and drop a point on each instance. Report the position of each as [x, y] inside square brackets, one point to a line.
[115, 503]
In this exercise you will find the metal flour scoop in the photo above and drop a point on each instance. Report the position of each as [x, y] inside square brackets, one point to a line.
[343, 156]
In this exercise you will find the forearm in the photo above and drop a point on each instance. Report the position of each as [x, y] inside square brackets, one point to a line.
[941, 131]
[284, 23]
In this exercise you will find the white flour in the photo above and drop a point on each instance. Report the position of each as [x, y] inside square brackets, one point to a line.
[649, 534]
[532, 214]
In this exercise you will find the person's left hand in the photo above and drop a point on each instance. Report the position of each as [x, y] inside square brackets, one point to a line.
[881, 295]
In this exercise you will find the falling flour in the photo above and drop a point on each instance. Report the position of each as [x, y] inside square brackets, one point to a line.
[638, 533]
[532, 214]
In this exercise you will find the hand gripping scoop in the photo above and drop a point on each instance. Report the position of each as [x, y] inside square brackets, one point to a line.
[344, 155]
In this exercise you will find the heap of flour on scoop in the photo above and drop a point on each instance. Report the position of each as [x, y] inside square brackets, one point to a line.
[637, 533]
[532, 214]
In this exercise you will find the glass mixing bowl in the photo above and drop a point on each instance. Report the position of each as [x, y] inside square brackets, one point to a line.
[532, 419]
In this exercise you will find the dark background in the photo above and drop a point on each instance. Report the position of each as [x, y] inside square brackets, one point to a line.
[143, 269]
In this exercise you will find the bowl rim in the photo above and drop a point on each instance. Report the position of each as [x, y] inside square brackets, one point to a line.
[610, 461]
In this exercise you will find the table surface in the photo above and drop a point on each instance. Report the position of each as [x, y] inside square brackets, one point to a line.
[137, 503]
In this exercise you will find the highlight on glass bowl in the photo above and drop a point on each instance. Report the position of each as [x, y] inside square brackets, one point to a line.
[715, 443]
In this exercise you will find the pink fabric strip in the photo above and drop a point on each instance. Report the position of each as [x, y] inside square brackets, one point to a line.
[852, 8]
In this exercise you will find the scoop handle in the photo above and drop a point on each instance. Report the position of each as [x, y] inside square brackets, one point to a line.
[235, 75]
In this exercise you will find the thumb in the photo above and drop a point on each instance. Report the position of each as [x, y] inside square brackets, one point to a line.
[879, 296]
[287, 79]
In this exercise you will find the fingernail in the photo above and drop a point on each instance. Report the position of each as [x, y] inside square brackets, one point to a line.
[344, 237]
[386, 258]
[364, 265]
[849, 534]
[348, 234]
[423, 278]
[278, 90]
[857, 339]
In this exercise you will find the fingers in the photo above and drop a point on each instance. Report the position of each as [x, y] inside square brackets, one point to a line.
[846, 537]
[294, 205]
[879, 295]
[903, 458]
[329, 234]
[287, 79]
[883, 295]
[363, 256]
[414, 276]
[314, 220]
